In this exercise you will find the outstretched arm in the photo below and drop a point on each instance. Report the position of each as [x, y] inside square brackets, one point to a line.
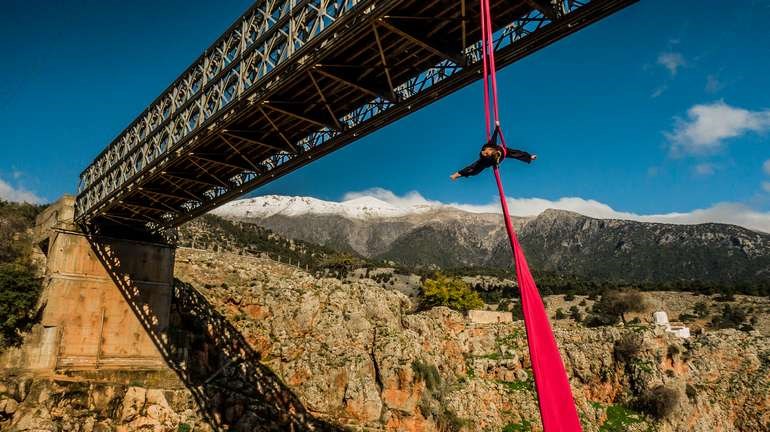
[470, 170]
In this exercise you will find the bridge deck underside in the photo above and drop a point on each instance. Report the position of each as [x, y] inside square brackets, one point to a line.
[260, 137]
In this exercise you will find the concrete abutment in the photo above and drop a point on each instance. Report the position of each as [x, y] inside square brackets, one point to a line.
[105, 301]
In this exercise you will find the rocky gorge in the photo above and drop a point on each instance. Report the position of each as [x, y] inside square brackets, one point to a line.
[281, 349]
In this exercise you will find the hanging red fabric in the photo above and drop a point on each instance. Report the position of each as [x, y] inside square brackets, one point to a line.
[557, 405]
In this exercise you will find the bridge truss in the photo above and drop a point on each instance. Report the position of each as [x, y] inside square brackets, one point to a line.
[293, 80]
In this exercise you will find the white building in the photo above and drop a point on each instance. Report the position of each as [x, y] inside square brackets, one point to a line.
[661, 319]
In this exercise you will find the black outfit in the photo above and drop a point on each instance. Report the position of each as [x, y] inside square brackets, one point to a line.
[486, 162]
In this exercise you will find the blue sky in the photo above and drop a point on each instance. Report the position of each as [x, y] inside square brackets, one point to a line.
[662, 108]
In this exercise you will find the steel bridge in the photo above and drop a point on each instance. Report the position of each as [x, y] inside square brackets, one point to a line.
[293, 80]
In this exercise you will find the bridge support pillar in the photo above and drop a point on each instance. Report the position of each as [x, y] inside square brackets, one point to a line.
[106, 301]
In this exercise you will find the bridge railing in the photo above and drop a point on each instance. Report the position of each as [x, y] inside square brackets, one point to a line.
[263, 38]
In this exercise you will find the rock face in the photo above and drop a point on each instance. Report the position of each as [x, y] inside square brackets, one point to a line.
[266, 346]
[356, 354]
[61, 404]
[556, 241]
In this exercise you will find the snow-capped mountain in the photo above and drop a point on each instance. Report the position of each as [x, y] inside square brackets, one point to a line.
[557, 241]
[365, 207]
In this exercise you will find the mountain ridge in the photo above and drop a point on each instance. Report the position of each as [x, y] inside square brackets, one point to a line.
[556, 241]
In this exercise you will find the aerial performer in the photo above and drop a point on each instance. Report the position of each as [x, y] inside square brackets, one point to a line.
[558, 412]
[492, 154]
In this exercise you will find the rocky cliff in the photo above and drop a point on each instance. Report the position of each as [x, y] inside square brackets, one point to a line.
[355, 355]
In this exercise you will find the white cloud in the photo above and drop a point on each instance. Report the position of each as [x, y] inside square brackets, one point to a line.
[17, 194]
[766, 186]
[410, 199]
[658, 91]
[725, 212]
[671, 61]
[708, 125]
[713, 84]
[704, 169]
[766, 167]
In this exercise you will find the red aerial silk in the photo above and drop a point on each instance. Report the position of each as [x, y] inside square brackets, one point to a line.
[557, 406]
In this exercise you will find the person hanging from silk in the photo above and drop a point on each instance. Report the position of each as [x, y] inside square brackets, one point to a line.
[558, 412]
[492, 154]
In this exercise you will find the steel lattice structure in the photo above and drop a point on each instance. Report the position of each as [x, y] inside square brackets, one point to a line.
[291, 81]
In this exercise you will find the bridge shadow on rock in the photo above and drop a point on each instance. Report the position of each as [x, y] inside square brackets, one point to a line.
[233, 389]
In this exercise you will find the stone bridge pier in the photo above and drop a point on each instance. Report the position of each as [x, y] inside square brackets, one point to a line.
[106, 301]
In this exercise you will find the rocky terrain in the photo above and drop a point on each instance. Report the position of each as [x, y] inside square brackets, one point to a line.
[556, 241]
[356, 355]
[263, 345]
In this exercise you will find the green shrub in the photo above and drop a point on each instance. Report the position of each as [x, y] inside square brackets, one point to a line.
[432, 402]
[560, 315]
[627, 348]
[619, 418]
[732, 317]
[524, 426]
[19, 291]
[691, 393]
[673, 351]
[452, 292]
[574, 313]
[428, 374]
[701, 309]
[659, 402]
[15, 220]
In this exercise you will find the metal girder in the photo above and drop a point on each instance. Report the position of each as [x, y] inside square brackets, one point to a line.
[278, 130]
[193, 180]
[295, 51]
[163, 194]
[384, 62]
[325, 102]
[248, 137]
[545, 7]
[297, 116]
[159, 202]
[350, 83]
[178, 187]
[220, 163]
[429, 46]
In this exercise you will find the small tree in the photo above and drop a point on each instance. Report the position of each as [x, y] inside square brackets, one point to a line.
[627, 348]
[701, 309]
[19, 290]
[614, 306]
[442, 290]
[732, 317]
[574, 313]
[660, 402]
